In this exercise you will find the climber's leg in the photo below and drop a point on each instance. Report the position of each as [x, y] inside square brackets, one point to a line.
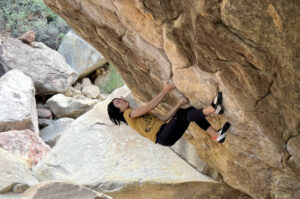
[171, 132]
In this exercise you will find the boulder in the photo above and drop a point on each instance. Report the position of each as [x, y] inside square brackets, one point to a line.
[72, 92]
[46, 67]
[51, 133]
[63, 106]
[24, 144]
[14, 174]
[61, 190]
[80, 55]
[44, 113]
[91, 91]
[18, 105]
[249, 50]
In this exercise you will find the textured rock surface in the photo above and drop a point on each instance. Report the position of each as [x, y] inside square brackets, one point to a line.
[25, 144]
[63, 106]
[46, 67]
[80, 55]
[249, 50]
[18, 105]
[51, 133]
[14, 173]
[61, 190]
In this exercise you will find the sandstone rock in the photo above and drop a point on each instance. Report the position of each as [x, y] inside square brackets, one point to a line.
[247, 50]
[72, 92]
[44, 113]
[14, 173]
[28, 37]
[91, 91]
[62, 106]
[61, 190]
[86, 82]
[10, 196]
[77, 86]
[46, 67]
[51, 133]
[25, 144]
[80, 55]
[18, 106]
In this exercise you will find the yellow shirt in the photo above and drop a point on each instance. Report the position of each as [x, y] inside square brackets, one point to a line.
[147, 125]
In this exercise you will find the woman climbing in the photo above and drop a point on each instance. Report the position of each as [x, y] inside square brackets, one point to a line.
[155, 126]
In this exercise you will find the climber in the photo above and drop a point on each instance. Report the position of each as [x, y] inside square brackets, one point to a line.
[155, 126]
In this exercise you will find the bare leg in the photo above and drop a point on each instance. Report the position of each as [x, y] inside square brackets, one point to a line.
[208, 111]
[212, 132]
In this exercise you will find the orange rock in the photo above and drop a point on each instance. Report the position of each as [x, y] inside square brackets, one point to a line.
[28, 37]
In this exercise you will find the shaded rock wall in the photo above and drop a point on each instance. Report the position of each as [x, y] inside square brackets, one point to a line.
[249, 50]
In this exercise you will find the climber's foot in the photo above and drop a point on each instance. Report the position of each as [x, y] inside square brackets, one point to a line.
[222, 132]
[217, 104]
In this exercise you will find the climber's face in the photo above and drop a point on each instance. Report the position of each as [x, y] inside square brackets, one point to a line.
[121, 103]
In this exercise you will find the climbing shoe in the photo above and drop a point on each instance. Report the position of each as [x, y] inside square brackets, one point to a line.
[217, 101]
[219, 109]
[222, 132]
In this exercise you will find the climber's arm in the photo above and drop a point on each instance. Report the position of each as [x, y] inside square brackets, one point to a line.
[153, 103]
[173, 111]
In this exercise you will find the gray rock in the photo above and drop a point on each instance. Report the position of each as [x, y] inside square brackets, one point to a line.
[15, 175]
[80, 55]
[86, 82]
[51, 133]
[62, 106]
[44, 113]
[17, 99]
[91, 91]
[61, 190]
[46, 67]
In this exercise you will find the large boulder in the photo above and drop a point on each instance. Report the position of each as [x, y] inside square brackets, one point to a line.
[52, 132]
[46, 67]
[15, 175]
[249, 50]
[63, 106]
[61, 190]
[18, 105]
[80, 55]
[25, 144]
[119, 162]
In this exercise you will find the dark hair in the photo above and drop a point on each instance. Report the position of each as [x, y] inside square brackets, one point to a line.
[114, 113]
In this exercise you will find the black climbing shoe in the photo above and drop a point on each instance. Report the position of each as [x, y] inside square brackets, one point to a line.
[217, 101]
[222, 132]
[219, 109]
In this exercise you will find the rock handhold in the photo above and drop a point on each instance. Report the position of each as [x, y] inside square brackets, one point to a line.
[46, 67]
[28, 37]
[24, 144]
[18, 105]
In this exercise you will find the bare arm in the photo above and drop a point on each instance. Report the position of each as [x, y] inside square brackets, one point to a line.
[173, 111]
[152, 104]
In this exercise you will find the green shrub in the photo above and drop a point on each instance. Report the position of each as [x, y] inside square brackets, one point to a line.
[113, 81]
[20, 16]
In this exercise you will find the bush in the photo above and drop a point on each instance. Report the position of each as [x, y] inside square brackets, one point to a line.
[20, 16]
[113, 81]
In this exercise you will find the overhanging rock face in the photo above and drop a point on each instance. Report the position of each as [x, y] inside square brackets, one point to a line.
[248, 50]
